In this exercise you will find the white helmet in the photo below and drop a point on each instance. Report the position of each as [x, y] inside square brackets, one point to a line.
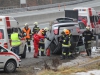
[35, 23]
[46, 28]
[88, 28]
[64, 30]
[26, 24]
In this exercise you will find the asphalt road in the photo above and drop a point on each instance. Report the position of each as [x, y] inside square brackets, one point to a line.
[93, 3]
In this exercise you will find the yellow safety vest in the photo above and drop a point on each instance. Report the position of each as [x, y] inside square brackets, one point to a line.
[15, 41]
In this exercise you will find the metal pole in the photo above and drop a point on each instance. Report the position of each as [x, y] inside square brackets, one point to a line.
[20, 3]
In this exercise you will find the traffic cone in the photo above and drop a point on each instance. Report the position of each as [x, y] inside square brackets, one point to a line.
[48, 52]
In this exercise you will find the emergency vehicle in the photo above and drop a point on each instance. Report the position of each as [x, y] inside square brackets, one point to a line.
[91, 16]
[6, 28]
[9, 61]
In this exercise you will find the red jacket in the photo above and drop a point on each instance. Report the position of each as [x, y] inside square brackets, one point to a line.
[37, 38]
[84, 21]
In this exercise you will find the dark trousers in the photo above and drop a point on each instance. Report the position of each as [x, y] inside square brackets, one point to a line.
[15, 50]
[88, 48]
[41, 48]
[29, 45]
[65, 52]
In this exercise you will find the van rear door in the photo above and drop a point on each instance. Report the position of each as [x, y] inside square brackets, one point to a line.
[3, 37]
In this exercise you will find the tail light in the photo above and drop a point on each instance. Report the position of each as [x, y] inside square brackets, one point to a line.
[78, 30]
[6, 45]
[55, 31]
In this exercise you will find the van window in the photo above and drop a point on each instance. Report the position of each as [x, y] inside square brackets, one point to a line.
[3, 49]
[82, 25]
[80, 18]
[10, 31]
[1, 34]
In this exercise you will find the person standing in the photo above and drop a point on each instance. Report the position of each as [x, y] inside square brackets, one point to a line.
[88, 35]
[36, 38]
[35, 28]
[65, 44]
[15, 41]
[84, 20]
[42, 32]
[26, 30]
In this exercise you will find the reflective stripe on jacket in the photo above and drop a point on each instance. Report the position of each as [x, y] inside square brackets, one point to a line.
[66, 42]
[15, 41]
[27, 33]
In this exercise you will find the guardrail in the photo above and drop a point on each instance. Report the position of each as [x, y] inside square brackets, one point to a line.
[15, 10]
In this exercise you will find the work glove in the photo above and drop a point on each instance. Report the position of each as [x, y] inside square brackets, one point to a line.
[24, 34]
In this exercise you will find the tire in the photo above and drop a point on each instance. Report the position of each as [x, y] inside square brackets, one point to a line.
[10, 66]
[24, 53]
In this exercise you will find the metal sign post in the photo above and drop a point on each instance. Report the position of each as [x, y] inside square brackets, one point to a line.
[23, 2]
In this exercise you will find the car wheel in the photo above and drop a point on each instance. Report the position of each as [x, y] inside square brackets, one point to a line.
[24, 53]
[10, 66]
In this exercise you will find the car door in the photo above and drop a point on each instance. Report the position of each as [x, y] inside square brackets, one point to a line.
[3, 56]
[22, 41]
[21, 46]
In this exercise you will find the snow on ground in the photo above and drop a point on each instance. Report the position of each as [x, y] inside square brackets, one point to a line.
[94, 72]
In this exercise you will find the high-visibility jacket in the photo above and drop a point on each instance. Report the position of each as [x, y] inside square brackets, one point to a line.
[28, 33]
[88, 36]
[35, 29]
[66, 42]
[41, 33]
[15, 41]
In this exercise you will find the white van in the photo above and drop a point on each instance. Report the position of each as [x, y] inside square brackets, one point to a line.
[92, 18]
[6, 25]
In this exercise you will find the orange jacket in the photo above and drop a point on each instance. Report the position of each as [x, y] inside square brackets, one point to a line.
[41, 32]
[28, 33]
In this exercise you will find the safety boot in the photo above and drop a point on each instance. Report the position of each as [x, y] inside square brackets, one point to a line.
[63, 57]
[71, 57]
[42, 53]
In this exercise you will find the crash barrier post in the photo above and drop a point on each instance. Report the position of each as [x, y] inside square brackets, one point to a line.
[59, 7]
[48, 52]
[64, 6]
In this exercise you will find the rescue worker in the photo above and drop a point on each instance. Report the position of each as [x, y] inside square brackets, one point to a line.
[15, 41]
[84, 20]
[88, 35]
[42, 32]
[65, 43]
[26, 30]
[36, 38]
[35, 28]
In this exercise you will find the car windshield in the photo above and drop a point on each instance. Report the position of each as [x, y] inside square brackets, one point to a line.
[1, 34]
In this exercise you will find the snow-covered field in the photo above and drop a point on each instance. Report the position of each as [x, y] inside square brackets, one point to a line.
[94, 72]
